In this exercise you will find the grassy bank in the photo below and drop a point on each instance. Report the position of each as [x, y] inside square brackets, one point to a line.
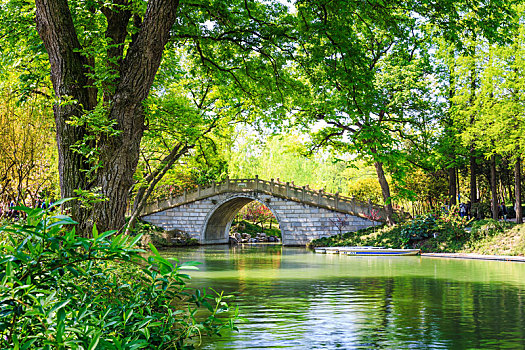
[438, 234]
[244, 226]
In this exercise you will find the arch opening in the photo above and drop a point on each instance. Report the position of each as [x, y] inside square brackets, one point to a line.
[255, 222]
[219, 223]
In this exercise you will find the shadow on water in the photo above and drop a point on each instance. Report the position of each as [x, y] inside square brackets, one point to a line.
[292, 298]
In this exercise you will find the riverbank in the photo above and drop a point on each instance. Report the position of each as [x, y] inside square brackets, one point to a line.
[475, 256]
[439, 235]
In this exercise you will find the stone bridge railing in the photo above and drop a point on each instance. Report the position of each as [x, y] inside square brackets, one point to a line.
[286, 190]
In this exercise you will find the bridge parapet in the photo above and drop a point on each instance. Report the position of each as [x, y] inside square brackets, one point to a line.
[276, 188]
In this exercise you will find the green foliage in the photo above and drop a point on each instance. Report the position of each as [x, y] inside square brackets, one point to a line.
[161, 239]
[489, 228]
[256, 218]
[142, 227]
[365, 94]
[366, 188]
[88, 198]
[489, 91]
[445, 227]
[62, 291]
[28, 157]
[420, 227]
[253, 230]
[98, 126]
[377, 75]
[434, 232]
[497, 237]
[283, 157]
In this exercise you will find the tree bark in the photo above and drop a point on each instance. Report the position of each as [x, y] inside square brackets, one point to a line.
[517, 191]
[385, 190]
[55, 26]
[458, 187]
[118, 154]
[494, 188]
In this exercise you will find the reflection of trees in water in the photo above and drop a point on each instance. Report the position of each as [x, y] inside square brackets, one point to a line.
[373, 303]
[455, 315]
[404, 312]
[245, 259]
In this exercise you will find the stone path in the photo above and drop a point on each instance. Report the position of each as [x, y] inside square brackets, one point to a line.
[475, 256]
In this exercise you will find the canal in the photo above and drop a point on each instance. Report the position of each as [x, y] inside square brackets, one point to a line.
[294, 299]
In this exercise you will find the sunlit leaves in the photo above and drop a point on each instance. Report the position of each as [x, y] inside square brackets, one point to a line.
[489, 94]
[27, 156]
[59, 290]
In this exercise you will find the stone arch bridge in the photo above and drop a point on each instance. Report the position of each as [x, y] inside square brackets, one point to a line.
[303, 214]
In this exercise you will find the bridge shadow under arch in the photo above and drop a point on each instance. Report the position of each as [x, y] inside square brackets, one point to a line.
[218, 222]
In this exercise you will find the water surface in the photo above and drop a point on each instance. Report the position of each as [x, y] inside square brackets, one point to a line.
[294, 299]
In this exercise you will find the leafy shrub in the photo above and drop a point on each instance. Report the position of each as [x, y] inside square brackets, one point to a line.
[488, 228]
[161, 238]
[59, 290]
[436, 232]
[365, 189]
[423, 226]
[142, 227]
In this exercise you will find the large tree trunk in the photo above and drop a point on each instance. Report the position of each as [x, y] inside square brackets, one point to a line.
[517, 191]
[69, 81]
[458, 187]
[494, 188]
[118, 153]
[385, 190]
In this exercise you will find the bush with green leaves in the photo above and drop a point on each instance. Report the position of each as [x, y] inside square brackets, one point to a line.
[433, 232]
[62, 291]
[446, 226]
[489, 227]
[421, 227]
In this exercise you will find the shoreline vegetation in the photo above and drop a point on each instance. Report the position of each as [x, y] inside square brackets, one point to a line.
[63, 291]
[433, 233]
[438, 233]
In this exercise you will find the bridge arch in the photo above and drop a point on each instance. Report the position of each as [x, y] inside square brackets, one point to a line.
[218, 222]
[206, 213]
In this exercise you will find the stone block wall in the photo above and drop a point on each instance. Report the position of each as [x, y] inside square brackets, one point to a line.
[299, 223]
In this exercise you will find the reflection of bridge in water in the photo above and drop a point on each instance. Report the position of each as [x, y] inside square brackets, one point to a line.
[303, 214]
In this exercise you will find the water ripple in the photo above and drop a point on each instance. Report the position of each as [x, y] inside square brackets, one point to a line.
[293, 299]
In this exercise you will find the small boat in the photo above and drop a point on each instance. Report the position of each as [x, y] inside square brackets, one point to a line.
[327, 250]
[332, 250]
[367, 251]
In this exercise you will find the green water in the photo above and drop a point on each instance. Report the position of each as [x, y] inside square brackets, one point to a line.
[294, 299]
